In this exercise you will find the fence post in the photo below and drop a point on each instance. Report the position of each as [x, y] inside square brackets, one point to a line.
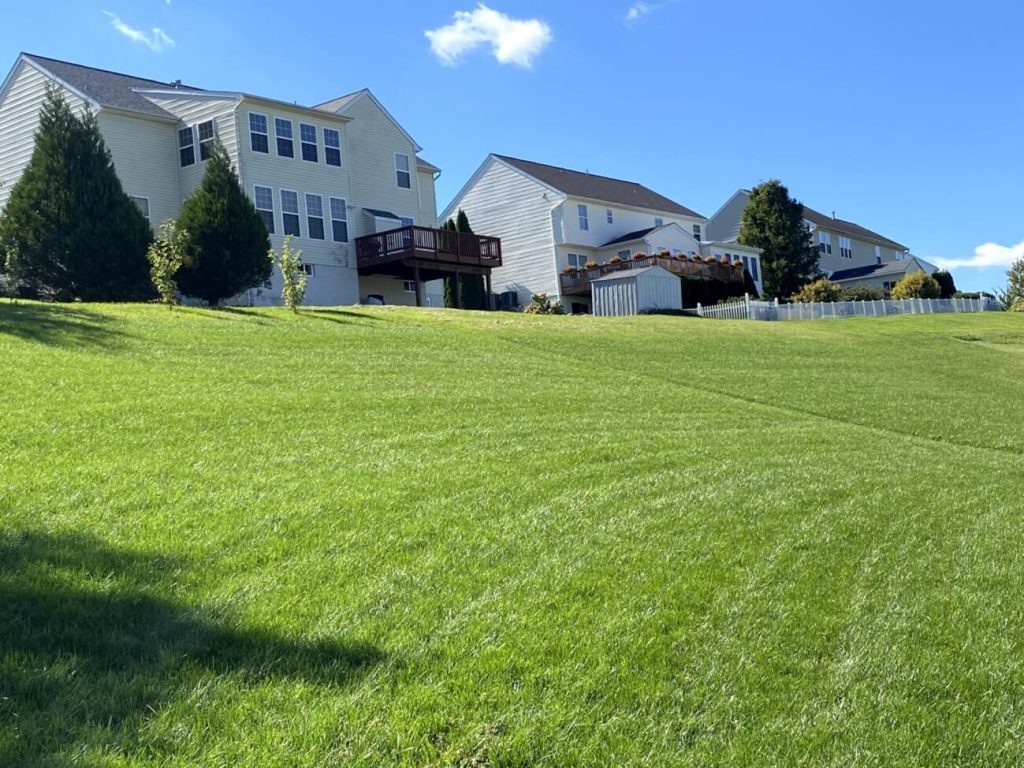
[746, 301]
[700, 312]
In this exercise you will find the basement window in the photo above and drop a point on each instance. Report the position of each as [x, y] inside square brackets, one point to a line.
[409, 286]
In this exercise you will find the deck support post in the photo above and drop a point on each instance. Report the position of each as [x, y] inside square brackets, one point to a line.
[457, 290]
[419, 286]
[489, 304]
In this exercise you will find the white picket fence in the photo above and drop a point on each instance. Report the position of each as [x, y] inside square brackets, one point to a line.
[750, 309]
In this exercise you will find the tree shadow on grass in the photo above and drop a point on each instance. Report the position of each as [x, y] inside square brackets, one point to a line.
[340, 316]
[58, 325]
[89, 650]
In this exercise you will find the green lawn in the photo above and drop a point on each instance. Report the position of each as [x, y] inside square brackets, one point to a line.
[390, 537]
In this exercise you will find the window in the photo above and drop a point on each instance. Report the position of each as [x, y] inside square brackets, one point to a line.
[581, 210]
[186, 146]
[878, 254]
[315, 216]
[307, 270]
[339, 220]
[623, 254]
[142, 203]
[332, 147]
[845, 248]
[285, 139]
[402, 174]
[259, 139]
[696, 232]
[407, 221]
[409, 286]
[263, 197]
[290, 212]
[754, 272]
[887, 286]
[205, 140]
[825, 243]
[609, 216]
[307, 136]
[577, 260]
[659, 222]
[746, 264]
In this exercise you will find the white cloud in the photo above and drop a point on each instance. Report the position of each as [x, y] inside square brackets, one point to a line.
[512, 41]
[155, 40]
[639, 9]
[987, 255]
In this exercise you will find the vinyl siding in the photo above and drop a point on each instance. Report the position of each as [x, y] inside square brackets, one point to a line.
[144, 153]
[504, 203]
[372, 141]
[19, 121]
[427, 200]
[725, 224]
[863, 253]
[624, 221]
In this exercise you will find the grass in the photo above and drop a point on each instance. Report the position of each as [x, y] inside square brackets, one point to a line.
[389, 537]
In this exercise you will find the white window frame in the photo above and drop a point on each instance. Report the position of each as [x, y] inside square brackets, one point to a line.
[265, 133]
[141, 199]
[825, 243]
[406, 286]
[878, 254]
[270, 210]
[297, 214]
[303, 143]
[697, 233]
[327, 147]
[310, 218]
[609, 216]
[399, 171]
[845, 248]
[191, 146]
[579, 259]
[309, 270]
[344, 212]
[206, 145]
[290, 138]
[755, 269]
[584, 217]
[659, 222]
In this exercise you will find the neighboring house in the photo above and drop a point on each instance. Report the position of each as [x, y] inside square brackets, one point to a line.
[550, 218]
[332, 176]
[881, 276]
[843, 245]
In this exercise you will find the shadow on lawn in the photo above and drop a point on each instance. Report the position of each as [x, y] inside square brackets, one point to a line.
[58, 325]
[340, 316]
[88, 651]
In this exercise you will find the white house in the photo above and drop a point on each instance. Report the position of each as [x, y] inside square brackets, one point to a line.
[550, 219]
[333, 175]
[843, 245]
[882, 277]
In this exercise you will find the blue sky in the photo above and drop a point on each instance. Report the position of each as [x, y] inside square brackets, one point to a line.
[906, 117]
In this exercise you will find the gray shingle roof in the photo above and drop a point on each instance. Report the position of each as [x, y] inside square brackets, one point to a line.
[334, 105]
[377, 213]
[881, 270]
[630, 237]
[601, 188]
[851, 229]
[108, 89]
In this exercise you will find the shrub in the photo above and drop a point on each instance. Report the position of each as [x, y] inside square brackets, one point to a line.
[294, 277]
[638, 256]
[570, 270]
[614, 260]
[916, 285]
[590, 265]
[947, 288]
[725, 260]
[540, 304]
[861, 293]
[821, 290]
[695, 257]
[709, 259]
[166, 255]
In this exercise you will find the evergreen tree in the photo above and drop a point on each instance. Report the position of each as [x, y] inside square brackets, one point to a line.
[773, 222]
[449, 288]
[69, 227]
[227, 243]
[1014, 295]
[946, 284]
[474, 292]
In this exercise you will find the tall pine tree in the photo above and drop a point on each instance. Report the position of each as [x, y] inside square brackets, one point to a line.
[68, 226]
[774, 222]
[1015, 285]
[227, 243]
[474, 293]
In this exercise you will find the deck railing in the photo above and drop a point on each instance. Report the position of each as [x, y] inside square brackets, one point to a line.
[578, 281]
[440, 245]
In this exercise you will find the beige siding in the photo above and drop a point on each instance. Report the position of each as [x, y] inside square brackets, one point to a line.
[864, 253]
[373, 140]
[145, 158]
[725, 224]
[504, 203]
[19, 120]
[428, 203]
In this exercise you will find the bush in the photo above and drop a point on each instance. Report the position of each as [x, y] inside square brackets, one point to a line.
[821, 290]
[570, 270]
[946, 285]
[292, 273]
[614, 260]
[590, 265]
[540, 304]
[166, 255]
[638, 256]
[916, 285]
[861, 293]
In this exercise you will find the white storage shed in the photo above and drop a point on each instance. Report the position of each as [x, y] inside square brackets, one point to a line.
[631, 292]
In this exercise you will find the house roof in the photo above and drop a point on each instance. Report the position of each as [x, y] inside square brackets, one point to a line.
[377, 213]
[342, 104]
[881, 270]
[849, 228]
[630, 273]
[594, 187]
[106, 88]
[629, 238]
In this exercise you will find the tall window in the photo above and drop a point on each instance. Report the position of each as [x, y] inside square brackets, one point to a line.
[315, 216]
[581, 210]
[285, 138]
[263, 197]
[609, 216]
[205, 140]
[696, 232]
[878, 254]
[339, 220]
[142, 203]
[754, 273]
[307, 134]
[403, 176]
[577, 260]
[259, 139]
[332, 147]
[290, 212]
[186, 146]
[825, 243]
[845, 248]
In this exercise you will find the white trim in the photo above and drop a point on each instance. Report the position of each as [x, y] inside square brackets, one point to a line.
[341, 156]
[408, 171]
[142, 197]
[192, 133]
[40, 68]
[250, 131]
[309, 216]
[212, 140]
[298, 210]
[291, 124]
[262, 102]
[273, 214]
[344, 209]
[315, 142]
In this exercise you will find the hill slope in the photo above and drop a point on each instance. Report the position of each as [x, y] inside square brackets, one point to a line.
[383, 536]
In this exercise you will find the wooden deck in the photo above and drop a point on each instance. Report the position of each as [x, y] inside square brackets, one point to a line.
[442, 249]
